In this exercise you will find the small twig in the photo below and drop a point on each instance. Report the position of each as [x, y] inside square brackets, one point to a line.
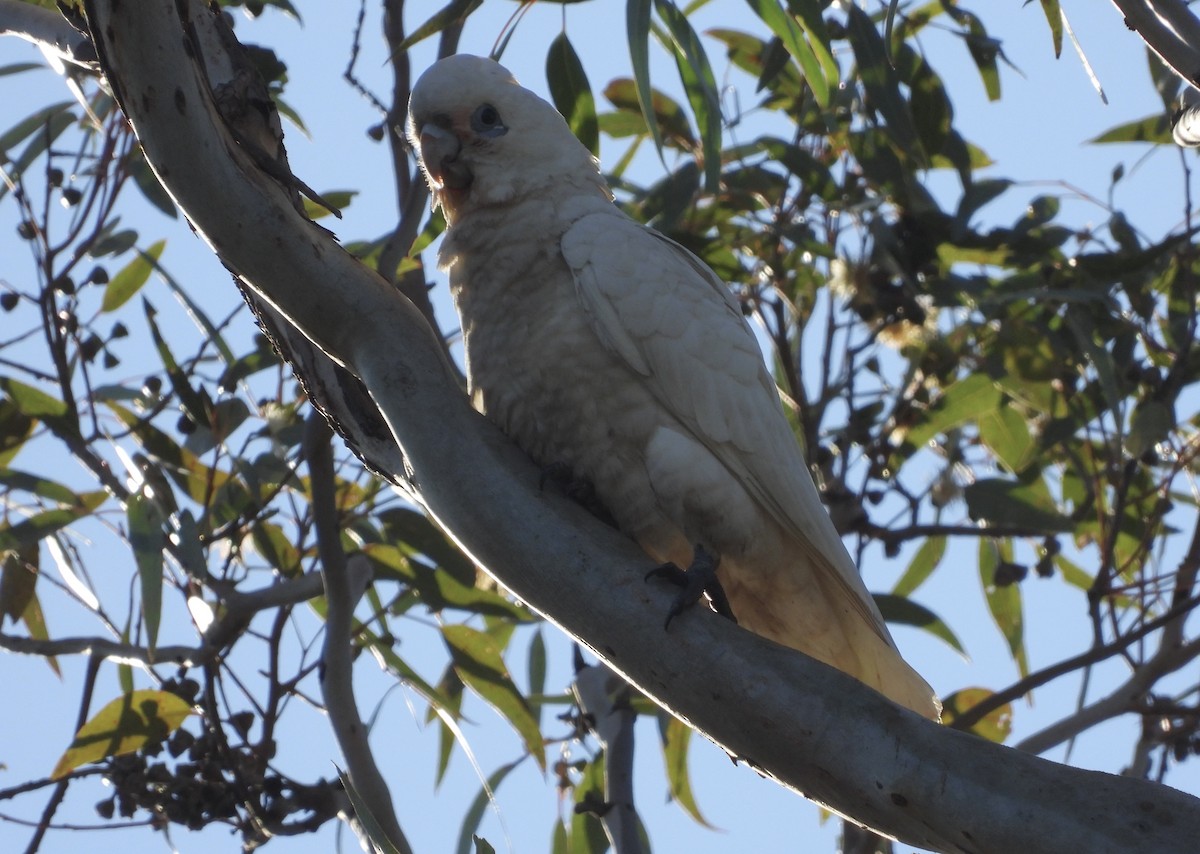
[60, 791]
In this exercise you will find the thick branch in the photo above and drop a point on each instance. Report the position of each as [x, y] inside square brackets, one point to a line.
[1171, 31]
[809, 726]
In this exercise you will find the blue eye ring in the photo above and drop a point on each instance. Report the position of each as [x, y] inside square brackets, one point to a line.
[486, 121]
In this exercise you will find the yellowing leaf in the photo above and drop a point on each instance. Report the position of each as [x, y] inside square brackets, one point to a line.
[994, 726]
[123, 726]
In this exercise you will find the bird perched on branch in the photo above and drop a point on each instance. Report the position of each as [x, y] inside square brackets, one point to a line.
[600, 345]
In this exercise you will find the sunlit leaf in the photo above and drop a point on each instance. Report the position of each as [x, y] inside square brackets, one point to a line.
[338, 199]
[123, 726]
[1003, 601]
[32, 401]
[1054, 19]
[924, 562]
[478, 663]
[129, 280]
[676, 736]
[1154, 128]
[785, 27]
[959, 403]
[1007, 435]
[994, 726]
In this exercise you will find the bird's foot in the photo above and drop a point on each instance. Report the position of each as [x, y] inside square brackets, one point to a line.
[698, 580]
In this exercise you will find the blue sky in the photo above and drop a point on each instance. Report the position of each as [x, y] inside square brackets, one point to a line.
[1036, 134]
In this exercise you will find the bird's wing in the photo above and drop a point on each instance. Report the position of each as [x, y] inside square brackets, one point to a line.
[667, 315]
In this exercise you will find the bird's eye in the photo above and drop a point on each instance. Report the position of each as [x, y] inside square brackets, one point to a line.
[486, 121]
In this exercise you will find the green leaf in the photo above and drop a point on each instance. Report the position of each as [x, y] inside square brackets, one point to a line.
[478, 663]
[15, 428]
[337, 199]
[123, 726]
[1155, 129]
[31, 401]
[380, 843]
[453, 13]
[39, 526]
[637, 26]
[883, 90]
[701, 87]
[1006, 435]
[1152, 422]
[960, 403]
[665, 113]
[148, 183]
[129, 280]
[1054, 19]
[924, 562]
[571, 92]
[35, 624]
[418, 535]
[18, 580]
[1004, 601]
[147, 538]
[19, 68]
[901, 609]
[676, 736]
[784, 26]
[277, 549]
[196, 404]
[45, 126]
[537, 669]
[994, 726]
[467, 840]
[1007, 503]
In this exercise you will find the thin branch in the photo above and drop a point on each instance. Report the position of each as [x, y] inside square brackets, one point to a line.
[337, 674]
[1126, 698]
[1094, 655]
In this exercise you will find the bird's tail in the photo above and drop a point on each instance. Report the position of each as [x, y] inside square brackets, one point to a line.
[813, 613]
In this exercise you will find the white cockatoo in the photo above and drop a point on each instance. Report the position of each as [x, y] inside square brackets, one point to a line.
[601, 346]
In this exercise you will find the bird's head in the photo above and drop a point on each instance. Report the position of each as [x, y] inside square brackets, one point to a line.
[484, 140]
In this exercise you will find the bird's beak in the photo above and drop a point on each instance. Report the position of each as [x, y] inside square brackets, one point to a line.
[439, 152]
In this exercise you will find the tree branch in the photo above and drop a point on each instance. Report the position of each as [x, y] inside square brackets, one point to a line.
[337, 674]
[1170, 30]
[807, 725]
